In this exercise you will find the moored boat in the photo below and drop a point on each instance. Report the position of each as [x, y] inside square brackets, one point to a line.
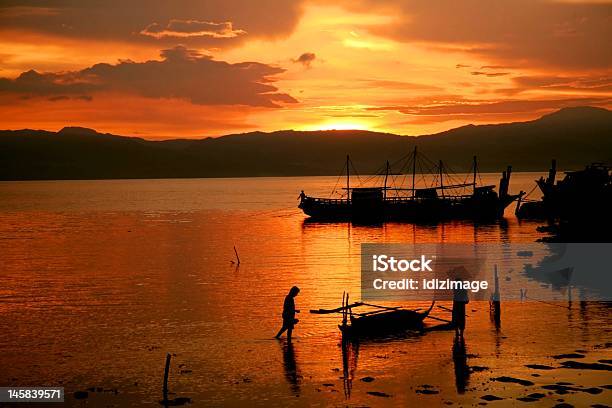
[576, 207]
[444, 201]
[378, 321]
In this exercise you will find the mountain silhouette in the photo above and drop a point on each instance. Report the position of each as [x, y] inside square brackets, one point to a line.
[574, 136]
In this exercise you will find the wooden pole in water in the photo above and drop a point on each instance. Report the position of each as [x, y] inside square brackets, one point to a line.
[166, 371]
[237, 257]
[552, 173]
[386, 176]
[518, 205]
[348, 180]
[344, 303]
[496, 294]
[414, 159]
[475, 172]
[508, 174]
[441, 182]
[495, 300]
[347, 303]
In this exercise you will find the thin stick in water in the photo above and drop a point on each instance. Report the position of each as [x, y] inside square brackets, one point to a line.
[237, 257]
[166, 370]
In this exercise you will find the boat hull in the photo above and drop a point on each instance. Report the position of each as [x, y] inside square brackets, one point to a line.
[390, 322]
[410, 210]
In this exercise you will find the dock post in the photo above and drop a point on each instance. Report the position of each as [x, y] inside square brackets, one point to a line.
[166, 370]
[518, 206]
[495, 301]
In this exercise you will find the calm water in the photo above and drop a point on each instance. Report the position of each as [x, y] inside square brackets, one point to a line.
[101, 278]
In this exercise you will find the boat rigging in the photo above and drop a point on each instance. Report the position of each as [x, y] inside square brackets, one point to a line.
[438, 201]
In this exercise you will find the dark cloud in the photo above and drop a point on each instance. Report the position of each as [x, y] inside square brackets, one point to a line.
[481, 111]
[192, 22]
[495, 67]
[481, 107]
[506, 32]
[57, 98]
[182, 73]
[305, 59]
[490, 74]
[461, 66]
[590, 84]
[192, 28]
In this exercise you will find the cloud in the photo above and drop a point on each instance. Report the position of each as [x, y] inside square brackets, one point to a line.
[127, 115]
[495, 67]
[305, 59]
[193, 22]
[182, 73]
[349, 115]
[66, 98]
[480, 110]
[398, 85]
[584, 84]
[463, 111]
[507, 32]
[192, 28]
[490, 74]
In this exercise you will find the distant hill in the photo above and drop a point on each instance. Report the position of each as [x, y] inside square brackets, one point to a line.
[574, 136]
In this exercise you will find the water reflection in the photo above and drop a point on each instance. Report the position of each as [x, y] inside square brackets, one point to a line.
[350, 354]
[290, 366]
[460, 362]
[464, 231]
[126, 280]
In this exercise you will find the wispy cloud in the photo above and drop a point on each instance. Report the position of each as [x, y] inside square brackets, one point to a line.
[192, 28]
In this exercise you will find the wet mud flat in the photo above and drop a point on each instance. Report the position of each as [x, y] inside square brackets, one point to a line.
[576, 378]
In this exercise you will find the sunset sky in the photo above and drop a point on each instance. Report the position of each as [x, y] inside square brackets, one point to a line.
[160, 69]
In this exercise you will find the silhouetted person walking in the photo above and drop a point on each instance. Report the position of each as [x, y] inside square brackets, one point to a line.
[289, 312]
[460, 299]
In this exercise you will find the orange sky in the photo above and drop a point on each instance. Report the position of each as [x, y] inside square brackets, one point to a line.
[160, 69]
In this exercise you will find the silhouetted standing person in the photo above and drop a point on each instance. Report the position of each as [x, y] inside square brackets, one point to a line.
[302, 197]
[460, 299]
[289, 312]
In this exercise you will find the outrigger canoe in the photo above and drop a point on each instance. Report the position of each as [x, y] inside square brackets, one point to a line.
[380, 321]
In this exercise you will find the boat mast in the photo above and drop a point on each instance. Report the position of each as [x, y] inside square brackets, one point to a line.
[475, 171]
[441, 183]
[414, 158]
[386, 176]
[348, 180]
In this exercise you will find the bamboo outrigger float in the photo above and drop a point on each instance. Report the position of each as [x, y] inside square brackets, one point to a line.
[379, 321]
[432, 203]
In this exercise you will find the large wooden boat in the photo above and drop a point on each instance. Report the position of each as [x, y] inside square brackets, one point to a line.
[431, 203]
[577, 207]
[578, 192]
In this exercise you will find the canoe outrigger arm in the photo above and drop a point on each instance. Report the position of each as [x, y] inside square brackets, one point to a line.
[357, 304]
[339, 309]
